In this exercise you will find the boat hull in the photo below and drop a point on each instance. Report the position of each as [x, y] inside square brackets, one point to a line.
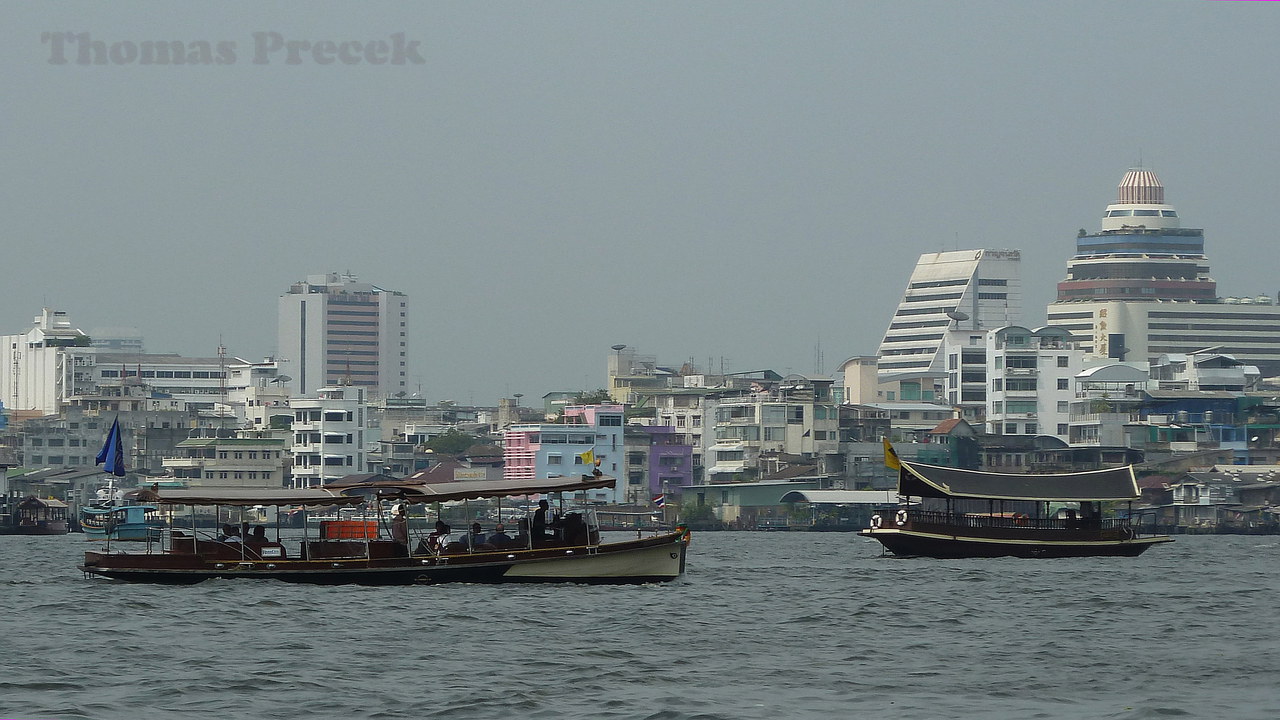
[915, 543]
[50, 527]
[649, 560]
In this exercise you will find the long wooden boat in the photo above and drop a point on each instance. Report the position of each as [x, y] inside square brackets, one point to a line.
[370, 556]
[36, 516]
[967, 513]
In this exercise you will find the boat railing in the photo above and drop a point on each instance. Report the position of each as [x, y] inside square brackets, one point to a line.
[1018, 522]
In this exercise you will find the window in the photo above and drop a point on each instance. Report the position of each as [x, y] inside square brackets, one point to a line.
[555, 460]
[1064, 383]
[997, 407]
[1062, 360]
[609, 421]
[1062, 428]
[1062, 406]
[1032, 429]
[997, 384]
[1010, 428]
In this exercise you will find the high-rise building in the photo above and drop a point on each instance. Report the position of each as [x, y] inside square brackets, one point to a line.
[1142, 252]
[961, 290]
[336, 331]
[1141, 288]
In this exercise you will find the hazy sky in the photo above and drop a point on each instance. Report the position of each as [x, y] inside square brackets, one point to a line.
[735, 180]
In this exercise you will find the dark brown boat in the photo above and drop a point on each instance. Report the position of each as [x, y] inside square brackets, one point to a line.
[967, 514]
[359, 552]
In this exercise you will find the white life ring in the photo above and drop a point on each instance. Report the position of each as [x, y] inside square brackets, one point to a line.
[875, 522]
[901, 517]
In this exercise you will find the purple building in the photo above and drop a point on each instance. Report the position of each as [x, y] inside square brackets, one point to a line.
[657, 463]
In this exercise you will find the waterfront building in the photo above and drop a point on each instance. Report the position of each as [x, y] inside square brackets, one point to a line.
[1140, 288]
[42, 368]
[1031, 374]
[223, 458]
[962, 290]
[797, 417]
[657, 462]
[328, 435]
[336, 331]
[72, 438]
[590, 436]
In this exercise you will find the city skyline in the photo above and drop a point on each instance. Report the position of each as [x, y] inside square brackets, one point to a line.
[747, 184]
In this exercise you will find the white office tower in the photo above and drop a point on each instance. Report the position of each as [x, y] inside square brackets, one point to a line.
[961, 292]
[42, 369]
[335, 331]
[328, 435]
[1140, 288]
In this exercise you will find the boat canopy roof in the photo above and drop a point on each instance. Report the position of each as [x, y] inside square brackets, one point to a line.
[473, 490]
[252, 496]
[918, 480]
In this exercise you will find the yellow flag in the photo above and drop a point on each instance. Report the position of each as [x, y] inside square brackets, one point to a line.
[588, 457]
[891, 457]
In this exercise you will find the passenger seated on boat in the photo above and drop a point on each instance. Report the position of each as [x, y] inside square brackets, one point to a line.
[474, 539]
[258, 534]
[437, 540]
[573, 529]
[1072, 521]
[522, 533]
[499, 537]
[230, 534]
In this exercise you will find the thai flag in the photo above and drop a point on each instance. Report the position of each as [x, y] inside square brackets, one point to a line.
[660, 501]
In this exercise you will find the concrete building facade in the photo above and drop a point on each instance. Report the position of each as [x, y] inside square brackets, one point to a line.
[1140, 288]
[336, 331]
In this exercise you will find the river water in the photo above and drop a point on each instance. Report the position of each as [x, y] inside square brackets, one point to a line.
[763, 625]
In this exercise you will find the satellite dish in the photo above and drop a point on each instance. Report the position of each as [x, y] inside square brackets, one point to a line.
[957, 315]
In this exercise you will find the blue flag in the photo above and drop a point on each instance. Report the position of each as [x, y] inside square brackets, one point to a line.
[112, 452]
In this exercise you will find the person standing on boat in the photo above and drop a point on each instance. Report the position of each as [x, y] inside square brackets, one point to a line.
[544, 519]
[400, 530]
